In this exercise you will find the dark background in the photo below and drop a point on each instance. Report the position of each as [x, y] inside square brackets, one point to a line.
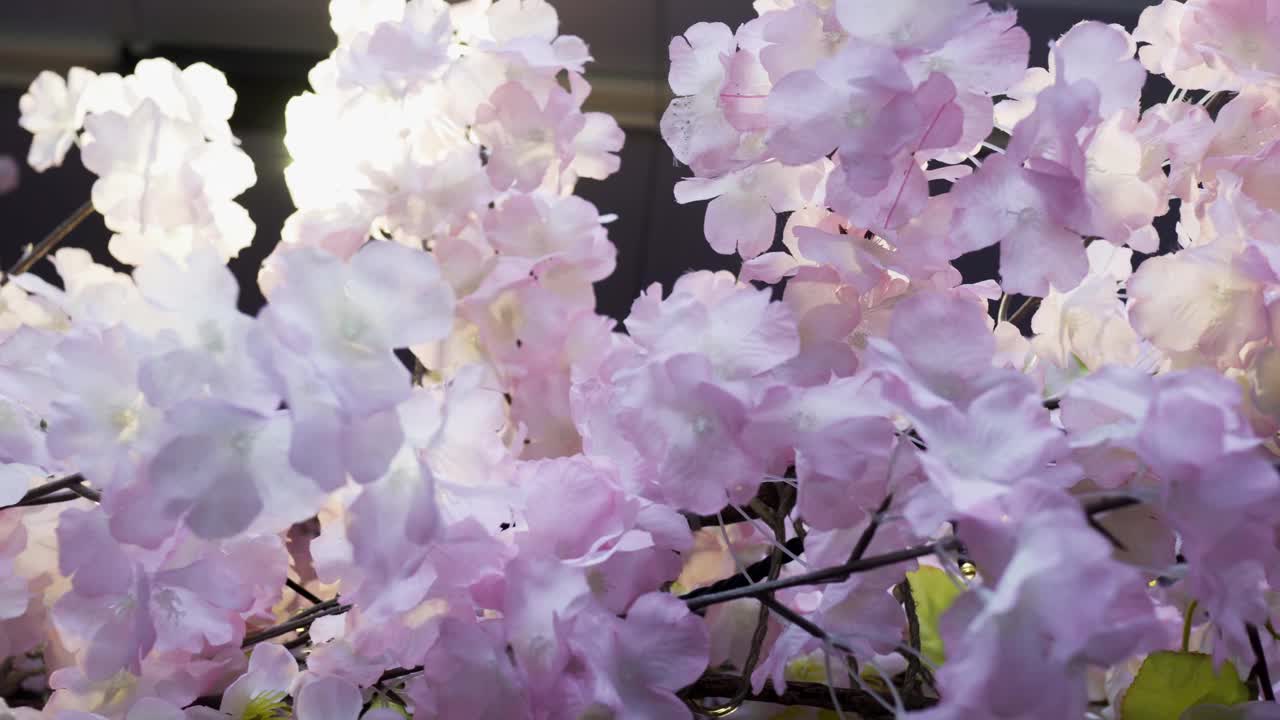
[266, 47]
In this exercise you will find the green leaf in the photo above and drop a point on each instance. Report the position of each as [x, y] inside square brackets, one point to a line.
[381, 702]
[1170, 682]
[933, 591]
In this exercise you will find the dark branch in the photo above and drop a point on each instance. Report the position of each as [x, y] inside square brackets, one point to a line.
[50, 488]
[50, 241]
[52, 499]
[306, 594]
[1260, 666]
[864, 540]
[757, 571]
[1104, 505]
[398, 673]
[838, 573]
[728, 516]
[298, 622]
[856, 703]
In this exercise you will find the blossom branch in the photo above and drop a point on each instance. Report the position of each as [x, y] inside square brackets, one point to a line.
[298, 622]
[56, 491]
[827, 575]
[777, 518]
[916, 671]
[756, 572]
[303, 592]
[869, 534]
[50, 241]
[815, 695]
[1260, 666]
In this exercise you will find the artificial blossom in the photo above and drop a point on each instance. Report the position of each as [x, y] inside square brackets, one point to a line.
[428, 480]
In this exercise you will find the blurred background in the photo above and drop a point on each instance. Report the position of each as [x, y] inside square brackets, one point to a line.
[266, 48]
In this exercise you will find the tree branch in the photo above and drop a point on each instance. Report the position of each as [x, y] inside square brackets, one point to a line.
[298, 622]
[815, 695]
[302, 592]
[1260, 666]
[869, 534]
[833, 574]
[50, 241]
[48, 488]
[757, 571]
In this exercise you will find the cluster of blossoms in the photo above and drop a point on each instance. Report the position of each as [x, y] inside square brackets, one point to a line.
[427, 480]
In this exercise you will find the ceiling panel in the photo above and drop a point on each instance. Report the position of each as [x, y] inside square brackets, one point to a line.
[627, 37]
[282, 25]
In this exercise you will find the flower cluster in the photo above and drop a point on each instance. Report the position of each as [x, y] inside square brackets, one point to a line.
[428, 480]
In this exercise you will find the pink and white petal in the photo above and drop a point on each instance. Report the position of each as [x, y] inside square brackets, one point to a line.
[739, 221]
[329, 698]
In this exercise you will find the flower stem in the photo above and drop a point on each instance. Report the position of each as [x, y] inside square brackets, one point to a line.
[1186, 624]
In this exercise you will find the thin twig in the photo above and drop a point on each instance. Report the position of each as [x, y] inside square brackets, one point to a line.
[1260, 667]
[398, 673]
[53, 499]
[85, 492]
[917, 673]
[61, 490]
[299, 621]
[727, 516]
[306, 594]
[52, 486]
[803, 694]
[1024, 307]
[869, 534]
[777, 557]
[757, 572]
[803, 623]
[833, 574]
[50, 241]
[1104, 505]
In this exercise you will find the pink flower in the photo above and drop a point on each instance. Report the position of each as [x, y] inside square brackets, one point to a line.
[329, 698]
[401, 53]
[638, 663]
[696, 124]
[1181, 302]
[859, 101]
[705, 313]
[332, 354]
[223, 467]
[1030, 214]
[1042, 623]
[1210, 44]
[468, 673]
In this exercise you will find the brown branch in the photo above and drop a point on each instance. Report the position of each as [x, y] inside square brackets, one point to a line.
[917, 673]
[50, 241]
[815, 695]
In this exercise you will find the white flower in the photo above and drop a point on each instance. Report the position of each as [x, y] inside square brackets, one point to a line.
[52, 111]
